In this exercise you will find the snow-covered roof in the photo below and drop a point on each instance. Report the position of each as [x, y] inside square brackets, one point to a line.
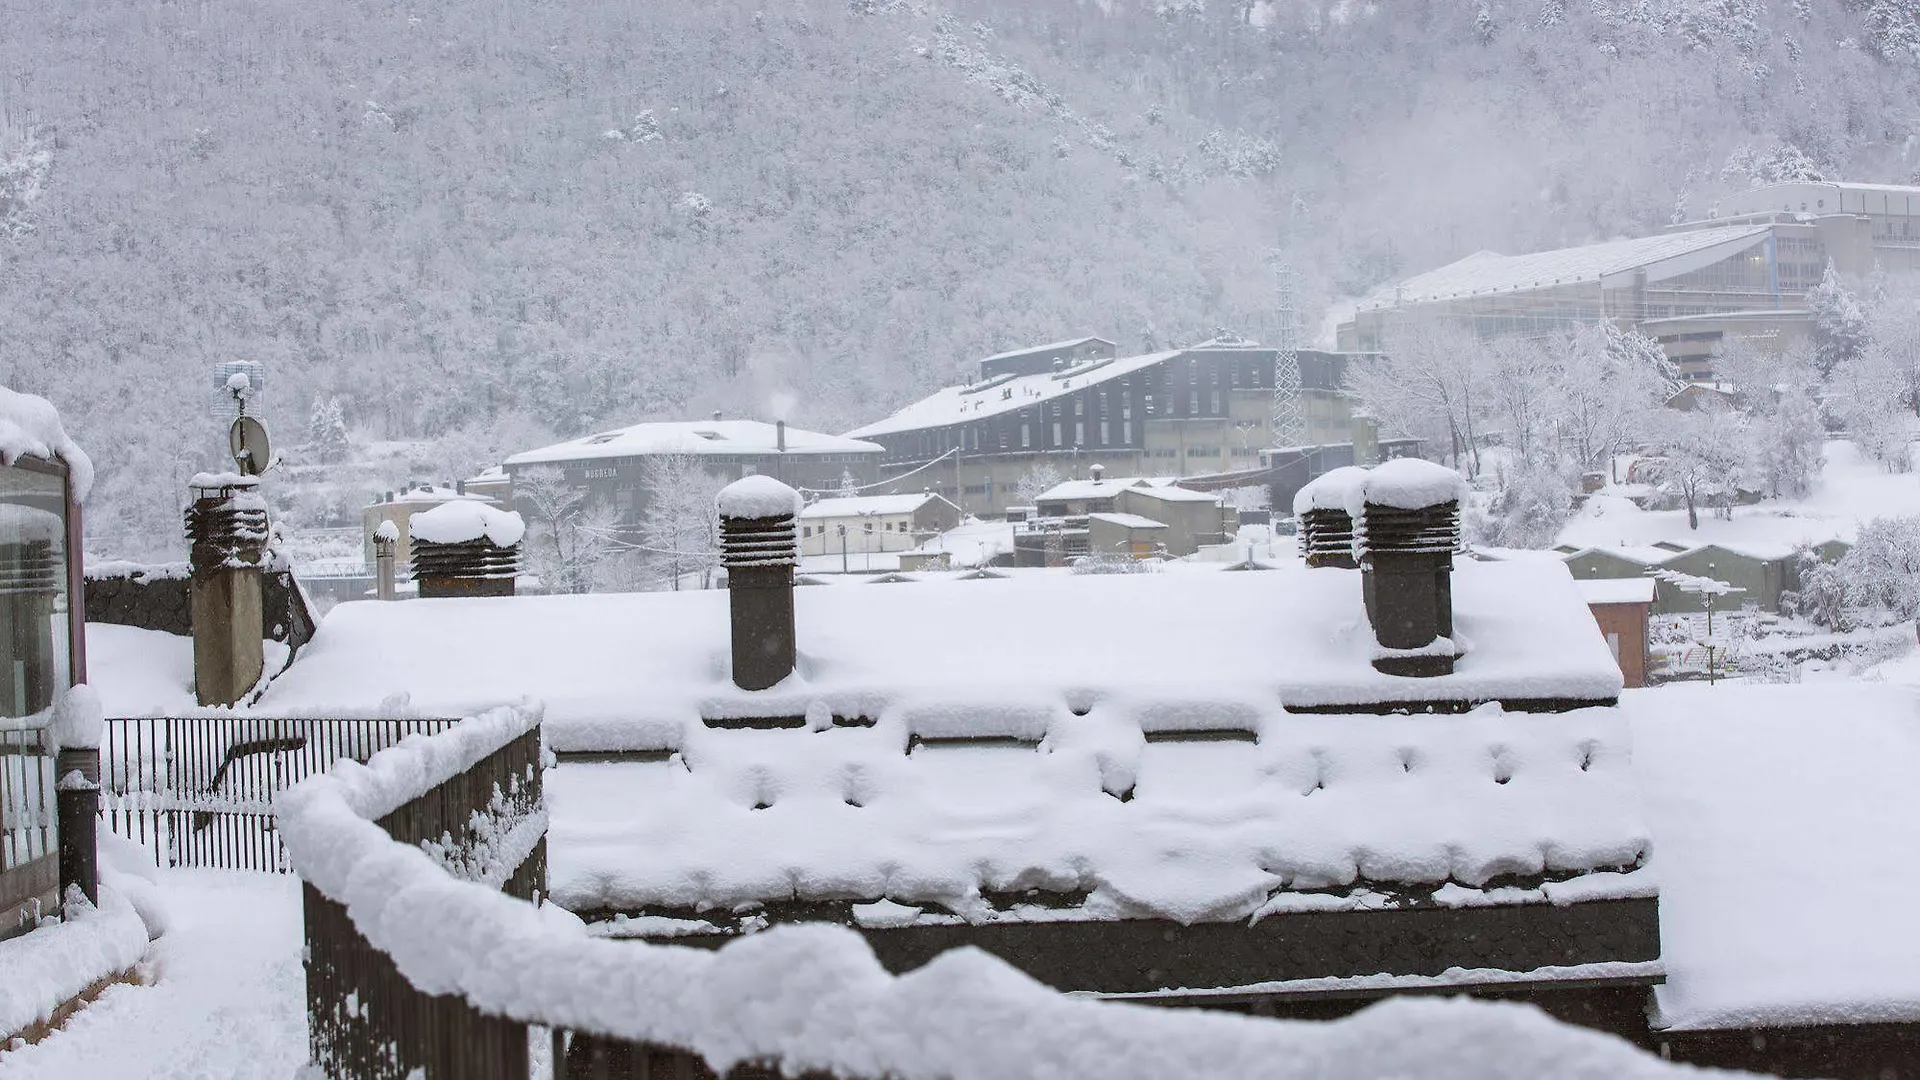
[1662, 256]
[1007, 393]
[1782, 815]
[1076, 490]
[615, 668]
[1168, 493]
[1052, 346]
[858, 505]
[1129, 521]
[693, 437]
[434, 495]
[30, 427]
[1616, 590]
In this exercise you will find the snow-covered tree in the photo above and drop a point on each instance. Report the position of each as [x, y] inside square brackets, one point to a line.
[679, 528]
[1431, 383]
[1840, 331]
[1610, 385]
[327, 430]
[568, 540]
[1036, 482]
[1703, 451]
[1880, 573]
[1775, 388]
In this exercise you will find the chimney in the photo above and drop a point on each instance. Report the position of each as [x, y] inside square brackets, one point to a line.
[1405, 535]
[227, 530]
[386, 537]
[1097, 471]
[780, 435]
[466, 548]
[759, 546]
[1326, 527]
[716, 416]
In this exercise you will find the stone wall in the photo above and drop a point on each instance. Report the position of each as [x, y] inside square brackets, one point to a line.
[157, 598]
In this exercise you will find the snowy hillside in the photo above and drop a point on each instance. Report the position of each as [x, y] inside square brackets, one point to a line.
[559, 217]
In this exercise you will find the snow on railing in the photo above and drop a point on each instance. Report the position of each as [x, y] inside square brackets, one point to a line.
[814, 998]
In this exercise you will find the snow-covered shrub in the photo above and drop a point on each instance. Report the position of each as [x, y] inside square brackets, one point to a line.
[1527, 512]
[1880, 574]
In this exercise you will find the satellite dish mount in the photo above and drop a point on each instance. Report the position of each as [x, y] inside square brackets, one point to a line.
[247, 437]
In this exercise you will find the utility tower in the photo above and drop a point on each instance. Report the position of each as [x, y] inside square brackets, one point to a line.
[1289, 424]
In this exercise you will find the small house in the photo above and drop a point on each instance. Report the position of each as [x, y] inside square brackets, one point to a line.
[863, 524]
[1620, 606]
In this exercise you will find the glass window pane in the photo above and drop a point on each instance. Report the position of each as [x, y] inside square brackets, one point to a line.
[33, 668]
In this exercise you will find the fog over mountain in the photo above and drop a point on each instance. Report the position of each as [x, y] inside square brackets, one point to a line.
[484, 225]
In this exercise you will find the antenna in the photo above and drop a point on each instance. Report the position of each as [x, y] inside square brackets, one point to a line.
[1289, 426]
[230, 398]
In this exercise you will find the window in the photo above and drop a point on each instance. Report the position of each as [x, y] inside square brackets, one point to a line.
[1079, 433]
[36, 625]
[1079, 406]
[1026, 436]
[1105, 430]
[1193, 403]
[1126, 432]
[1056, 434]
[1216, 402]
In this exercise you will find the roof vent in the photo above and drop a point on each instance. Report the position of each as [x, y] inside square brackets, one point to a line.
[1404, 537]
[759, 546]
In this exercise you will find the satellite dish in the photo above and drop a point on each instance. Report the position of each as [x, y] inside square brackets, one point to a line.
[247, 438]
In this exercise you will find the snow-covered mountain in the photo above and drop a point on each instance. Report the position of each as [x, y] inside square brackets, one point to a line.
[547, 218]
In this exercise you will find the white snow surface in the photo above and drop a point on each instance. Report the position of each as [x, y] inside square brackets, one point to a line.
[1785, 818]
[815, 998]
[464, 521]
[1213, 831]
[78, 717]
[1328, 491]
[1851, 490]
[223, 997]
[222, 479]
[695, 438]
[1405, 483]
[30, 427]
[757, 496]
[387, 531]
[43, 969]
[639, 671]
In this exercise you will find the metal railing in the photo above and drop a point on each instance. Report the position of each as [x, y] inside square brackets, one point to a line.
[199, 790]
[29, 838]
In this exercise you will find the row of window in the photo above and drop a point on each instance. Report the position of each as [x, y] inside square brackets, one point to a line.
[807, 532]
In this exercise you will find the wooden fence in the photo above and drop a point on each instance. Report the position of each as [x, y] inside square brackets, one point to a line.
[199, 790]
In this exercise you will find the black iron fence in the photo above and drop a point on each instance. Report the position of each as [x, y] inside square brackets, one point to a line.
[199, 790]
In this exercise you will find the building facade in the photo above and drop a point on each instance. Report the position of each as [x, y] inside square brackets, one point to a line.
[1201, 411]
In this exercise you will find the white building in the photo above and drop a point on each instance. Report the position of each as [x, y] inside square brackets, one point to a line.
[874, 523]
